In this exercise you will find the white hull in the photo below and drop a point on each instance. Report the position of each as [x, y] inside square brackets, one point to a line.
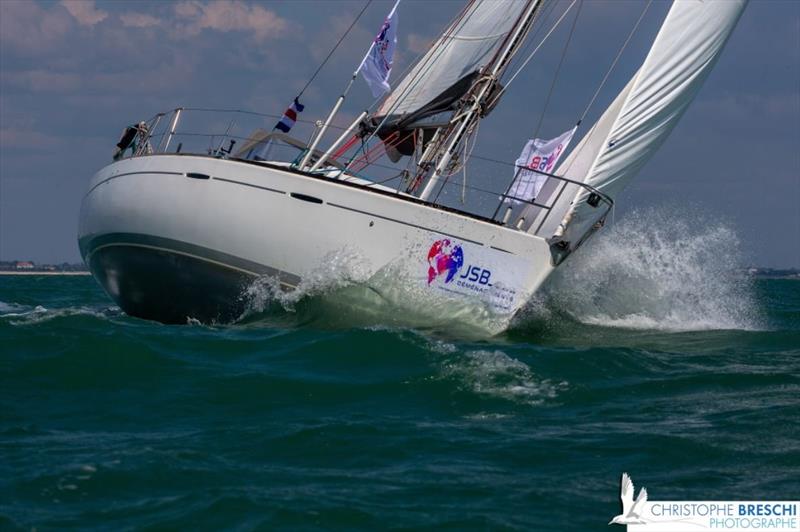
[169, 247]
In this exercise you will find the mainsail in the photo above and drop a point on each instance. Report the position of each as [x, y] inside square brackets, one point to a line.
[642, 116]
[447, 71]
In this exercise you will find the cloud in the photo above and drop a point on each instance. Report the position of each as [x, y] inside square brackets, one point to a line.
[84, 11]
[167, 74]
[44, 80]
[228, 15]
[30, 29]
[139, 20]
[353, 47]
[19, 131]
[28, 139]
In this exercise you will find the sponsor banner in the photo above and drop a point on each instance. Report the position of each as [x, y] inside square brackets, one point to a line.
[538, 155]
[470, 270]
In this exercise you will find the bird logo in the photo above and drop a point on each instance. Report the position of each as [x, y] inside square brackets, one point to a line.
[631, 510]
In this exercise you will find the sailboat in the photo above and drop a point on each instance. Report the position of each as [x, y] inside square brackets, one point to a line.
[175, 234]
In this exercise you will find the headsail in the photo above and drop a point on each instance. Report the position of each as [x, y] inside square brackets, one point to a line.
[640, 119]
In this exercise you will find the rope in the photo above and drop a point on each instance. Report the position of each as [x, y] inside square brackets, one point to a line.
[472, 135]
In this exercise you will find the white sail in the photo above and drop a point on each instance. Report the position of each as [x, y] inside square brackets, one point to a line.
[640, 119]
[467, 45]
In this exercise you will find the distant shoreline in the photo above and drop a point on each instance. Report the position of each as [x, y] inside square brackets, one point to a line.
[42, 273]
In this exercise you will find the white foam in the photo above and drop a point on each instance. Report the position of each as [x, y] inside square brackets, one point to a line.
[16, 309]
[495, 374]
[337, 270]
[658, 269]
[346, 293]
[40, 314]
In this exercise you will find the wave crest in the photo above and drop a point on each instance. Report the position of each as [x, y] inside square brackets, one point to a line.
[497, 375]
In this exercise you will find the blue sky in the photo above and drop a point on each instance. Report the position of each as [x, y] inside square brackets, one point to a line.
[74, 73]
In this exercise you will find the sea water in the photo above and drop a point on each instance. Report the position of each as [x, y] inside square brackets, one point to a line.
[647, 354]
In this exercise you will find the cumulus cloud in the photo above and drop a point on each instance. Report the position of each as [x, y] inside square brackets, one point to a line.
[139, 20]
[228, 15]
[19, 138]
[28, 28]
[85, 11]
[354, 46]
[44, 80]
[20, 131]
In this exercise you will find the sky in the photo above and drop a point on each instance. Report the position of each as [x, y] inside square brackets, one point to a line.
[73, 73]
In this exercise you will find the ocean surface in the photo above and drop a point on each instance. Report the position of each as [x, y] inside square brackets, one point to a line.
[645, 355]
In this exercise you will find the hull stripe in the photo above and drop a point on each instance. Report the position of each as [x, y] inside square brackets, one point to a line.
[106, 180]
[404, 223]
[89, 245]
[249, 185]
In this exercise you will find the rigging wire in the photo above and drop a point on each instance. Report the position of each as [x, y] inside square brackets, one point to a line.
[253, 113]
[456, 24]
[464, 122]
[533, 53]
[540, 24]
[582, 145]
[558, 68]
[614, 63]
[552, 85]
[525, 63]
[416, 60]
[324, 61]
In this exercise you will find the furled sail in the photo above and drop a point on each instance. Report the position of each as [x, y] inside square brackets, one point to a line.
[640, 119]
[446, 72]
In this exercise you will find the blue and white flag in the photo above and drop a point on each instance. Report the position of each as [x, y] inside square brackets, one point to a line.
[377, 65]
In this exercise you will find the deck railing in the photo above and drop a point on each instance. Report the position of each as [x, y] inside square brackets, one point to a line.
[227, 133]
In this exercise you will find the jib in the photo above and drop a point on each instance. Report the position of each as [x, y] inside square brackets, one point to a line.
[477, 275]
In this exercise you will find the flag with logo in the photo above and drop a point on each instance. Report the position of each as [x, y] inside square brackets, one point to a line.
[538, 155]
[377, 65]
[290, 116]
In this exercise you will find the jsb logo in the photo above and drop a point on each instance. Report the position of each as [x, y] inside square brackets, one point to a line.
[477, 275]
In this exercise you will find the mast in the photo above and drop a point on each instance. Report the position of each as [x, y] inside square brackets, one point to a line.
[475, 100]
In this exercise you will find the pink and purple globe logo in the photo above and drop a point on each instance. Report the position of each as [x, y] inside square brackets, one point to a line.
[444, 258]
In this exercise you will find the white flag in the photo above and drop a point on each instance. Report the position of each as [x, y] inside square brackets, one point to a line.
[377, 65]
[541, 155]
